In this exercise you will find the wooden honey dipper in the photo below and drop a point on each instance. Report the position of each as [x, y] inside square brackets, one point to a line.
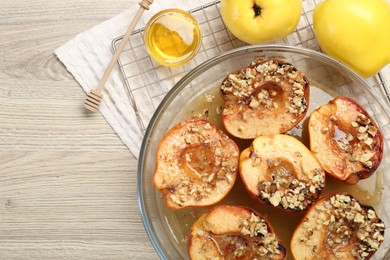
[94, 98]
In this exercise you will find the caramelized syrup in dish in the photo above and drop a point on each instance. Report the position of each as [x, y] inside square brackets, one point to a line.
[367, 191]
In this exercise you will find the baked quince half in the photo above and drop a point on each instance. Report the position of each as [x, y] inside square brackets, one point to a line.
[338, 226]
[279, 170]
[345, 139]
[196, 164]
[234, 232]
[267, 97]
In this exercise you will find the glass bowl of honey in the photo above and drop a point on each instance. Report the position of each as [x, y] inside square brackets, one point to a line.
[172, 37]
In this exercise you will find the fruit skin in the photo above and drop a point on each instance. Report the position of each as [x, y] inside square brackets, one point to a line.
[339, 162]
[356, 32]
[245, 121]
[314, 220]
[192, 153]
[208, 236]
[277, 19]
[280, 152]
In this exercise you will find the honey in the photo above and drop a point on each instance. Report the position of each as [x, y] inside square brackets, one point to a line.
[180, 221]
[172, 37]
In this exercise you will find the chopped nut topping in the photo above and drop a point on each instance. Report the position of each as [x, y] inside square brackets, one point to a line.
[348, 219]
[324, 130]
[254, 103]
[363, 119]
[187, 139]
[372, 130]
[362, 129]
[369, 141]
[207, 126]
[289, 193]
[244, 83]
[275, 199]
[362, 136]
[371, 214]
[207, 141]
[198, 147]
[360, 144]
[175, 199]
[254, 226]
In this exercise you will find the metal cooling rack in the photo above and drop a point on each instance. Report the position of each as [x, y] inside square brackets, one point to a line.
[147, 82]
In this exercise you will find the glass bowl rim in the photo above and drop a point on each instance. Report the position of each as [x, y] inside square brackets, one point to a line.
[198, 70]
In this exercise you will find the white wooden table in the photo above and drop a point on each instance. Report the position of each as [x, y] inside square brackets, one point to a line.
[67, 183]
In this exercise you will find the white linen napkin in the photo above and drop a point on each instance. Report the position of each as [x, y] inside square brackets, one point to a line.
[87, 55]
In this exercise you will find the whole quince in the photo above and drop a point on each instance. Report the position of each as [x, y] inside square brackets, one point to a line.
[260, 21]
[355, 32]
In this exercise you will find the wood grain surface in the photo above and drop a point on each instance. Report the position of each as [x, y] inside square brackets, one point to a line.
[67, 183]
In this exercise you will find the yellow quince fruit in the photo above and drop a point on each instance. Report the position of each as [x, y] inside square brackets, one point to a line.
[355, 32]
[260, 21]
